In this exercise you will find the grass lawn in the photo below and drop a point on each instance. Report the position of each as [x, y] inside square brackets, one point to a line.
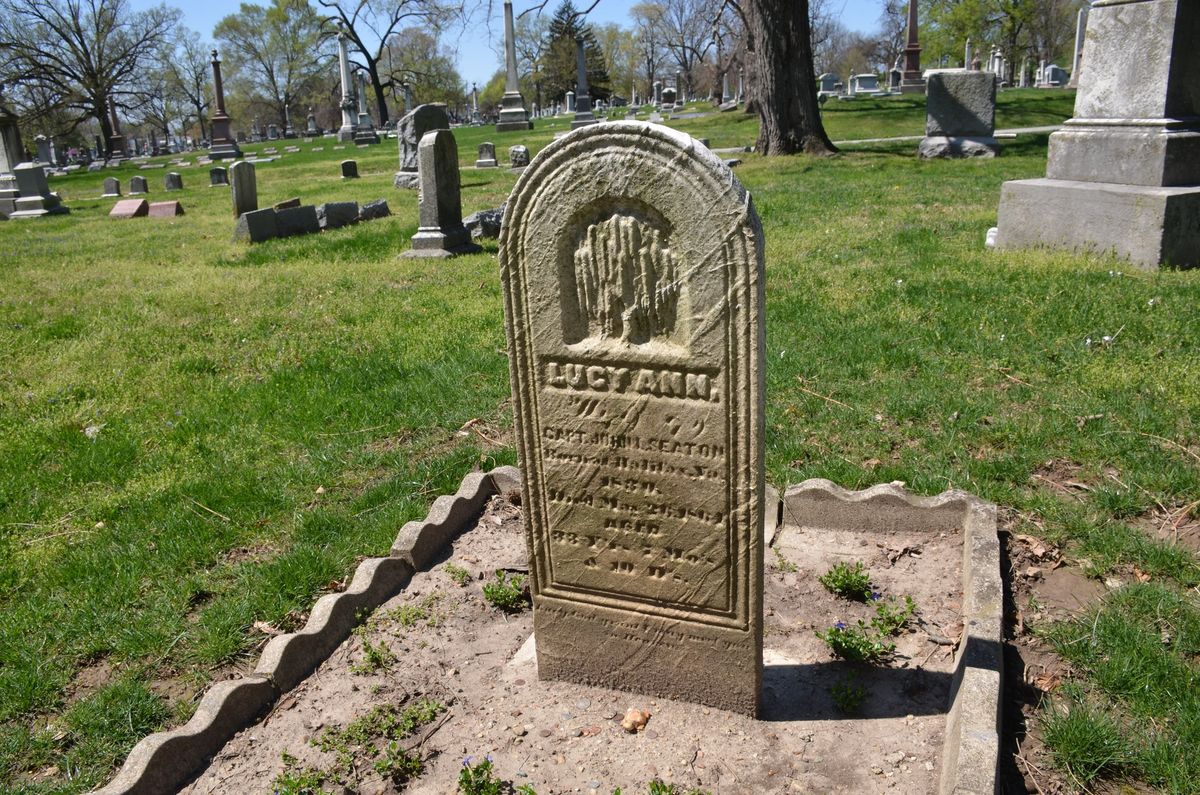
[198, 436]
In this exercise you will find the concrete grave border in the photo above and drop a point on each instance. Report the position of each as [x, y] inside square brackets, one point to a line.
[165, 761]
[971, 751]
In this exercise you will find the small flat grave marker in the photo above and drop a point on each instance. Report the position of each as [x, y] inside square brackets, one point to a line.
[129, 208]
[165, 209]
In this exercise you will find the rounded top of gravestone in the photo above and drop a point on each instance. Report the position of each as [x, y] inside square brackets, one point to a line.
[644, 193]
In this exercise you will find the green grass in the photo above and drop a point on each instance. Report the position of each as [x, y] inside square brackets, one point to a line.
[196, 436]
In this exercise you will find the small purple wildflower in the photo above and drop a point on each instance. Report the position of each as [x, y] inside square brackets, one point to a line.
[839, 625]
[876, 596]
[466, 761]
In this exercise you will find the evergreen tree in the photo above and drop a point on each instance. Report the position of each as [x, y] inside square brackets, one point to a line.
[558, 62]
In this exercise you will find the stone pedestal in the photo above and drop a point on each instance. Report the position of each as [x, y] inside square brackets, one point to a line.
[224, 145]
[440, 232]
[35, 199]
[1124, 173]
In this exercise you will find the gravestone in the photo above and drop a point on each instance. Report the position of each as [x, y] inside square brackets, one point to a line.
[12, 151]
[333, 215]
[288, 204]
[668, 99]
[138, 185]
[165, 209]
[243, 188]
[518, 156]
[1123, 175]
[960, 114]
[255, 226]
[112, 187]
[173, 181]
[297, 220]
[35, 198]
[218, 177]
[632, 266]
[487, 155]
[827, 84]
[409, 132]
[440, 231]
[349, 169]
[373, 210]
[129, 208]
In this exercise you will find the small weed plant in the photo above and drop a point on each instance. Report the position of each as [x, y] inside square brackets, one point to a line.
[398, 765]
[479, 778]
[506, 593]
[848, 695]
[857, 643]
[458, 575]
[376, 656]
[660, 787]
[360, 738]
[297, 781]
[848, 582]
[891, 616]
[783, 563]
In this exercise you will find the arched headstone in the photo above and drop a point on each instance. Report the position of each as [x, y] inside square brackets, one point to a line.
[632, 267]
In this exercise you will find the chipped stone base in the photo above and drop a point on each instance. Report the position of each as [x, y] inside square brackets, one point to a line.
[407, 180]
[972, 747]
[932, 146]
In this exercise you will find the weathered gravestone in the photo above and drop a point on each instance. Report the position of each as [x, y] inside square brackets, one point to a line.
[129, 208]
[112, 187]
[374, 210]
[518, 156]
[300, 220]
[218, 177]
[632, 268]
[487, 155]
[243, 187]
[35, 198]
[409, 131]
[349, 169]
[165, 209]
[255, 226]
[440, 232]
[173, 181]
[960, 114]
[1123, 175]
[138, 185]
[334, 215]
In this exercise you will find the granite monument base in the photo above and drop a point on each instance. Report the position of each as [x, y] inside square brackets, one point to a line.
[433, 243]
[1150, 226]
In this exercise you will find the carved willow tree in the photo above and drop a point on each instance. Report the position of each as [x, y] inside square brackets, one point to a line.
[784, 88]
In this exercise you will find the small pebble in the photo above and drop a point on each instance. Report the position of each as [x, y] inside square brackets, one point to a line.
[545, 733]
[651, 734]
[583, 703]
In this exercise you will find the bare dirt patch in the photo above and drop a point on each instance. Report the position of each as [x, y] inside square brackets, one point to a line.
[445, 643]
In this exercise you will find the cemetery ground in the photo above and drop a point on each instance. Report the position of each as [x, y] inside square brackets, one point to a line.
[197, 438]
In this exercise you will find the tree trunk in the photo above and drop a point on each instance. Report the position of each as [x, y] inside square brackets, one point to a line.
[786, 84]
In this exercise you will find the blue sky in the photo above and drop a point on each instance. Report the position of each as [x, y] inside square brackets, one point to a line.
[478, 46]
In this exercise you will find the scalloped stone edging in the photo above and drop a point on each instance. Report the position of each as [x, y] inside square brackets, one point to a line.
[972, 747]
[164, 761]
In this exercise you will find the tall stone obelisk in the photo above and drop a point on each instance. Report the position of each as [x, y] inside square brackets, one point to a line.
[1077, 53]
[365, 131]
[512, 105]
[911, 82]
[116, 144]
[347, 130]
[223, 145]
[583, 100]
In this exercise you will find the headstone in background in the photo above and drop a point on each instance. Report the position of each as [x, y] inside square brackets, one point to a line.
[138, 185]
[440, 232]
[243, 188]
[272, 132]
[349, 169]
[410, 130]
[583, 97]
[960, 114]
[218, 177]
[35, 198]
[43, 150]
[487, 155]
[668, 99]
[373, 210]
[518, 156]
[297, 221]
[1123, 175]
[112, 187]
[129, 208]
[333, 215]
[173, 181]
[632, 265]
[255, 226]
[12, 151]
[168, 209]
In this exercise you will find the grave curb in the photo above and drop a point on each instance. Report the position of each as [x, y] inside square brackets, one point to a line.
[164, 761]
[971, 752]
